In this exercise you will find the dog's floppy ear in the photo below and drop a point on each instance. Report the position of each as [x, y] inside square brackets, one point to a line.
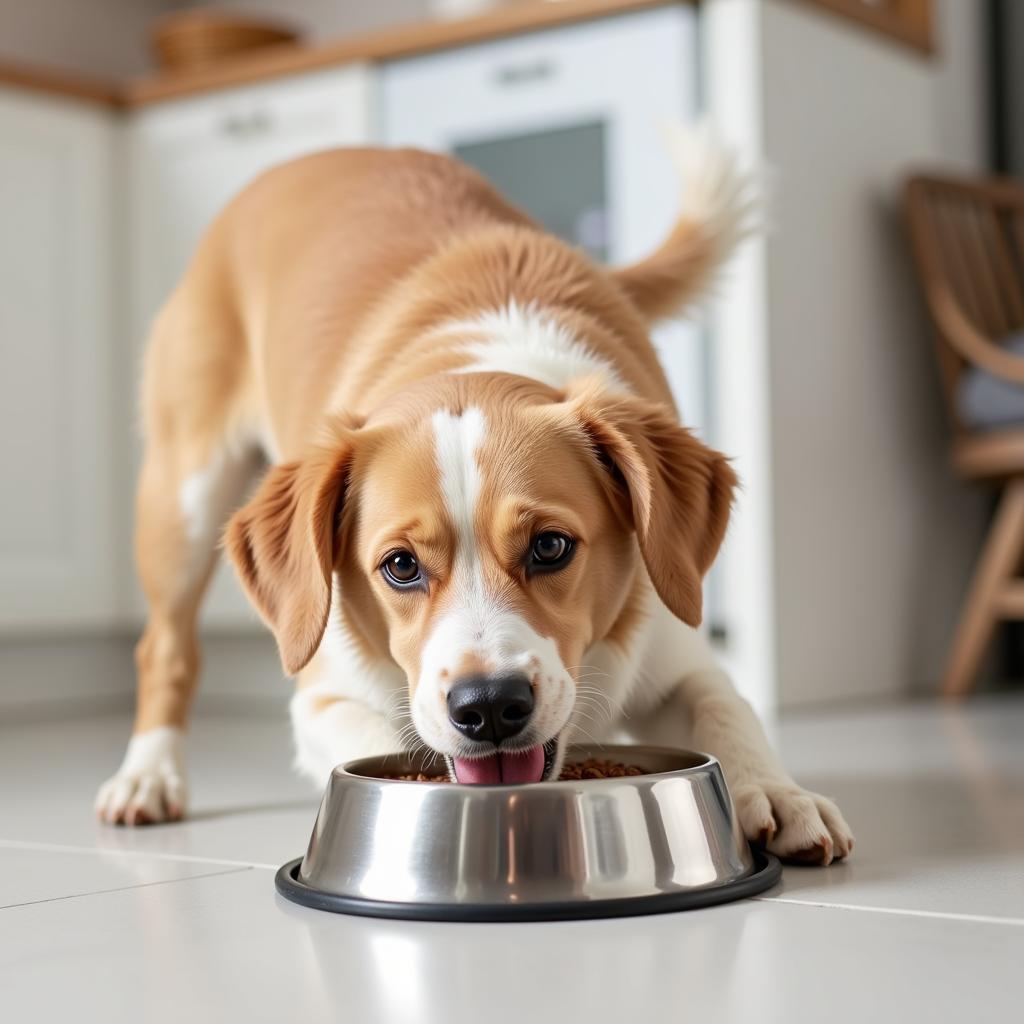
[679, 490]
[284, 544]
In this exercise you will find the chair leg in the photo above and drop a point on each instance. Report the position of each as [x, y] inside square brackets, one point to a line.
[997, 565]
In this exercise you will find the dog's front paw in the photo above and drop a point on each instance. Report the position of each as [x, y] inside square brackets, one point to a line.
[149, 787]
[793, 823]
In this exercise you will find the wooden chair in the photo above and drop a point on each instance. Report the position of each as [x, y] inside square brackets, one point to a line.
[968, 244]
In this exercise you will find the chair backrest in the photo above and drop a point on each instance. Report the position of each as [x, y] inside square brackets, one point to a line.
[968, 243]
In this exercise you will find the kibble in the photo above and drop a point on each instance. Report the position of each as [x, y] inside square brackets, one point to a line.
[572, 771]
[598, 768]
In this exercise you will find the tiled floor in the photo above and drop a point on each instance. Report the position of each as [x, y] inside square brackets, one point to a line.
[181, 923]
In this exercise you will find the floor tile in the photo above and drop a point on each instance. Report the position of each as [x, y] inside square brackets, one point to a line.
[935, 796]
[228, 948]
[32, 875]
[247, 803]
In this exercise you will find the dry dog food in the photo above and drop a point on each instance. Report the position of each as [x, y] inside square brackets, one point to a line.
[592, 768]
[598, 768]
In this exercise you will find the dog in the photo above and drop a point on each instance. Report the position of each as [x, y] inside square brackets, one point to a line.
[484, 529]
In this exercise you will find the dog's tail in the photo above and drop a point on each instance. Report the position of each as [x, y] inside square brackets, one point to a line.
[721, 205]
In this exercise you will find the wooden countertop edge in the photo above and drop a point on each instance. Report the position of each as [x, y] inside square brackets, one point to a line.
[52, 82]
[294, 58]
[385, 44]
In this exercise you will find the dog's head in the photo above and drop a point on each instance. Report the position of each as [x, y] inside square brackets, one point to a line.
[484, 531]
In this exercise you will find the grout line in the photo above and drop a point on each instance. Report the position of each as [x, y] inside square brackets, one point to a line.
[950, 916]
[241, 865]
[19, 844]
[123, 888]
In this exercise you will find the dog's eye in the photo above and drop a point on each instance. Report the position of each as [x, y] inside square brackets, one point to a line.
[550, 550]
[401, 568]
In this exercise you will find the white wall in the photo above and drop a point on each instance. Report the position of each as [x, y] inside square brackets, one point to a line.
[80, 674]
[324, 19]
[100, 37]
[873, 536]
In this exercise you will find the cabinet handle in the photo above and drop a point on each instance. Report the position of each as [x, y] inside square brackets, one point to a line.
[233, 124]
[244, 126]
[538, 70]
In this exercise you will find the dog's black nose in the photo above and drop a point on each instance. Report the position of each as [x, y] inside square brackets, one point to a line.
[491, 708]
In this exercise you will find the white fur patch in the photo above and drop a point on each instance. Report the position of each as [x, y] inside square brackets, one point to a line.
[208, 496]
[331, 728]
[365, 715]
[528, 342]
[150, 784]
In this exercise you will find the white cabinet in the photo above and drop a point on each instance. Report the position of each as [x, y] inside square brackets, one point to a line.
[568, 123]
[189, 157]
[61, 554]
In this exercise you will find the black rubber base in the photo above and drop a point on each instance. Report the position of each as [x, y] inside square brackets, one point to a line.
[767, 872]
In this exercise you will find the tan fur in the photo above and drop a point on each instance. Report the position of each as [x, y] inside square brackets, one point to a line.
[674, 275]
[285, 544]
[680, 491]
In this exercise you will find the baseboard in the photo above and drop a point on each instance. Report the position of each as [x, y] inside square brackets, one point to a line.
[81, 675]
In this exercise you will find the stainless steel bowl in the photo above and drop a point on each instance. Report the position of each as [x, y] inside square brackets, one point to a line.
[668, 840]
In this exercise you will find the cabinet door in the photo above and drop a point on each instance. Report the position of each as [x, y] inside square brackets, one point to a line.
[567, 123]
[59, 549]
[189, 158]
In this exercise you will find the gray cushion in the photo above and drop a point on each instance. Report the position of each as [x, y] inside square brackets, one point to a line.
[987, 402]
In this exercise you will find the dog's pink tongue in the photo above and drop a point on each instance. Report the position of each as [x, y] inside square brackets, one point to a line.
[520, 766]
[478, 771]
[523, 766]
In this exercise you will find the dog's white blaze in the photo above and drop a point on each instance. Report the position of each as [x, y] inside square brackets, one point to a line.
[528, 342]
[456, 440]
[475, 622]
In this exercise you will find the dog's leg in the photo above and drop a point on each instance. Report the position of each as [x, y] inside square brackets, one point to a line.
[179, 514]
[702, 709]
[195, 471]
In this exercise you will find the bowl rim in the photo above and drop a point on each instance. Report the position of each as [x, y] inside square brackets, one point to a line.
[703, 762]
